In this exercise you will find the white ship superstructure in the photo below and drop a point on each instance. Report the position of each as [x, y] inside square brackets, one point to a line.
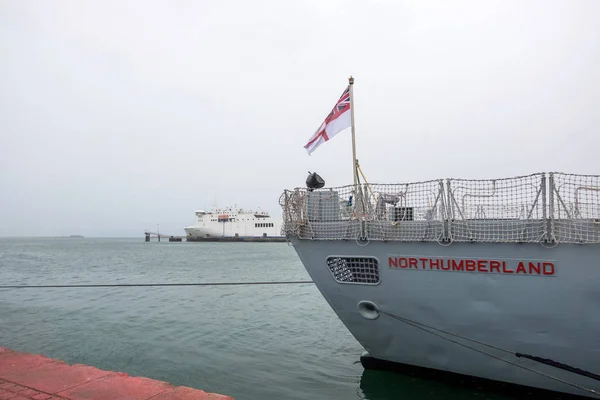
[234, 222]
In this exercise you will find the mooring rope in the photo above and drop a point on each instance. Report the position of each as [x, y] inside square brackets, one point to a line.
[418, 325]
[109, 285]
[430, 329]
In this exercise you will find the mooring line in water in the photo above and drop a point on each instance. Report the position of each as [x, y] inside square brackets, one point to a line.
[109, 285]
[421, 326]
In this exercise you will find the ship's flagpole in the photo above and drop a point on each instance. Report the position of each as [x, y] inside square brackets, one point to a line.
[354, 171]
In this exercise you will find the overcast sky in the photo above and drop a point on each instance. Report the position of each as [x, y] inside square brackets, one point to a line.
[116, 116]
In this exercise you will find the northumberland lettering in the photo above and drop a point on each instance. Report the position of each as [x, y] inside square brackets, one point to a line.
[534, 267]
[495, 266]
[470, 265]
[482, 265]
[457, 266]
[548, 268]
[479, 266]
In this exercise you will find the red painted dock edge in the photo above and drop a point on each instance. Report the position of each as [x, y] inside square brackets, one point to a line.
[26, 376]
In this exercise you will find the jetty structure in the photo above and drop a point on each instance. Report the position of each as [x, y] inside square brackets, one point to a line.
[171, 238]
[219, 239]
[495, 279]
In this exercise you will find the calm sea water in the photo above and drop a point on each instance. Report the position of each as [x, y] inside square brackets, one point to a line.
[250, 342]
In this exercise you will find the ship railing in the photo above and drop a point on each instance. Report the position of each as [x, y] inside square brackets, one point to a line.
[406, 212]
[575, 204]
[320, 214]
[541, 207]
[498, 210]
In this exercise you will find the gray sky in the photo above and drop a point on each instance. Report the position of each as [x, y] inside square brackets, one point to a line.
[116, 116]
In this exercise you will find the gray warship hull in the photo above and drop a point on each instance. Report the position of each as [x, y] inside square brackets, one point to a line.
[453, 285]
[552, 316]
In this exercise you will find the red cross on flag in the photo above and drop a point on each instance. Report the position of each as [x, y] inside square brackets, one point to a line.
[338, 119]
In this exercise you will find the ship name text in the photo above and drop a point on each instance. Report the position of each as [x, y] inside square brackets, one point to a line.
[494, 266]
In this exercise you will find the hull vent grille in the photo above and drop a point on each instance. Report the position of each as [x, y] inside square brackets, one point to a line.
[359, 270]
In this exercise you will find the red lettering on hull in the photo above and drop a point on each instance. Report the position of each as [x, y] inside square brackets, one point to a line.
[480, 266]
[470, 265]
[495, 266]
[534, 267]
[548, 268]
[412, 263]
[457, 266]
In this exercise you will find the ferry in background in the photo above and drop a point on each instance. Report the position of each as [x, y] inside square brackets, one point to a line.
[234, 222]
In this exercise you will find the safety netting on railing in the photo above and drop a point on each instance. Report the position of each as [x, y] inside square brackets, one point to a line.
[402, 212]
[535, 208]
[321, 213]
[406, 212]
[497, 210]
[575, 208]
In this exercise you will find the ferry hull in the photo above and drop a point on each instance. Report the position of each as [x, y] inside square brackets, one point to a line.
[550, 313]
[231, 231]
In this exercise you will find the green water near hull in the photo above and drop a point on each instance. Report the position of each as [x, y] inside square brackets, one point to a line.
[250, 342]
